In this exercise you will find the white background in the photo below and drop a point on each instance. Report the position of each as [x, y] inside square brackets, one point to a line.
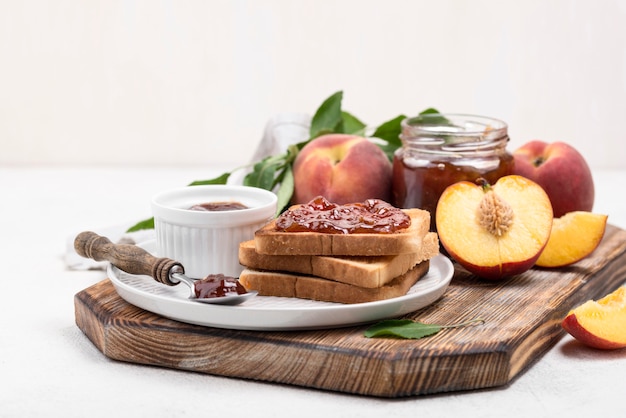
[194, 82]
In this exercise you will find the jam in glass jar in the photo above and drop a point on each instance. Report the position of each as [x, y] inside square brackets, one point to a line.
[441, 149]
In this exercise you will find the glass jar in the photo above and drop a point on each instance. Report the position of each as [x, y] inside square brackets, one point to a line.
[441, 149]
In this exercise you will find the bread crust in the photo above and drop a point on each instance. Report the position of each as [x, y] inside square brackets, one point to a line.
[370, 272]
[269, 240]
[282, 284]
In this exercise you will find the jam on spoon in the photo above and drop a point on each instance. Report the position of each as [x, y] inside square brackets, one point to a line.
[218, 285]
[215, 289]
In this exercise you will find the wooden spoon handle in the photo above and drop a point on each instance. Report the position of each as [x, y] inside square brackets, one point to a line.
[129, 258]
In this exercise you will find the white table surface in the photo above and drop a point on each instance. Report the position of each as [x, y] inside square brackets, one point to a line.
[49, 368]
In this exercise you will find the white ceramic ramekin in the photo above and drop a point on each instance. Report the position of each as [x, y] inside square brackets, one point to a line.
[207, 242]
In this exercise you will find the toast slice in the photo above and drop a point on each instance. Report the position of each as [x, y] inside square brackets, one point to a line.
[269, 240]
[370, 272]
[269, 283]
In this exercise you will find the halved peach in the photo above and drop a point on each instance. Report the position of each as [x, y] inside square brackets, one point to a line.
[600, 324]
[574, 236]
[495, 231]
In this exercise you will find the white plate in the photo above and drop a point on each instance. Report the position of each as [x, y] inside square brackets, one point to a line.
[265, 313]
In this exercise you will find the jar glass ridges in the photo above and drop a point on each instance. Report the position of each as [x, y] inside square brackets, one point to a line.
[441, 149]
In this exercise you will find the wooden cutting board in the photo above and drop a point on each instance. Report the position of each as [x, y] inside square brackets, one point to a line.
[522, 321]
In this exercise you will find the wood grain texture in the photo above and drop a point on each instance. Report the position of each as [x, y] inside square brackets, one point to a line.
[129, 258]
[522, 320]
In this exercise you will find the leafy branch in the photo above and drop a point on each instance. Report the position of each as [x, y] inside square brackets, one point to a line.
[275, 172]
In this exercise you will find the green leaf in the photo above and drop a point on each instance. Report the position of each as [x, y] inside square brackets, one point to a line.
[285, 190]
[440, 120]
[352, 125]
[327, 118]
[222, 179]
[390, 132]
[301, 145]
[405, 328]
[430, 111]
[145, 224]
[402, 328]
[263, 173]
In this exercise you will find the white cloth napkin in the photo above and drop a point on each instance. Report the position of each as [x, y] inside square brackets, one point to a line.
[280, 131]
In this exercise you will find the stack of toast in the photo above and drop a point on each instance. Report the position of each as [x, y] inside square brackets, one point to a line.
[343, 268]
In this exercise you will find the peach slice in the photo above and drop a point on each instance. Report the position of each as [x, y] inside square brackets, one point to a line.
[600, 324]
[495, 231]
[574, 236]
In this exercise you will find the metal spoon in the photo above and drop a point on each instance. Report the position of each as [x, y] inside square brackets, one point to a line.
[135, 260]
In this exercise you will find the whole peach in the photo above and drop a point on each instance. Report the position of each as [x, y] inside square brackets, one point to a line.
[343, 168]
[562, 172]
